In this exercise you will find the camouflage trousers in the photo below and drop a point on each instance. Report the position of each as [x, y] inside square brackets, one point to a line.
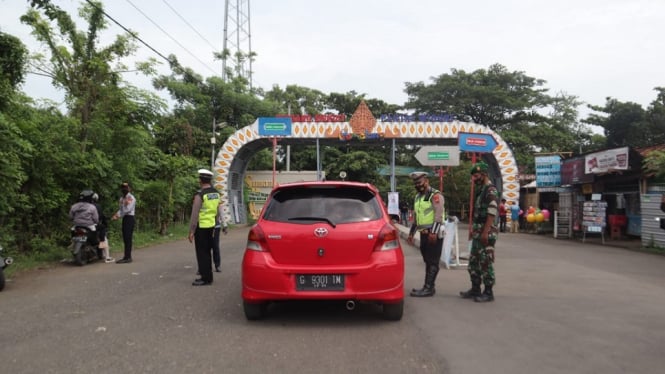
[481, 260]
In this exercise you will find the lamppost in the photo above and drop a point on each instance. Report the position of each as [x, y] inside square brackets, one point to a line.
[213, 140]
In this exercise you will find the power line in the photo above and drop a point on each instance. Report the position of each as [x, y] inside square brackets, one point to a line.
[128, 31]
[188, 24]
[171, 37]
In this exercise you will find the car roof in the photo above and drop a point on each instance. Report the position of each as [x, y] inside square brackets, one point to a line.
[326, 184]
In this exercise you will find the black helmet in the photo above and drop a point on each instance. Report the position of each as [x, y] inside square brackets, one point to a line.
[86, 195]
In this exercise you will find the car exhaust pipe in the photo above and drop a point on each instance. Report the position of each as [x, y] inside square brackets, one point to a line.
[9, 260]
[350, 305]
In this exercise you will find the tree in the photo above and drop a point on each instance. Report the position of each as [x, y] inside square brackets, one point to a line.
[87, 72]
[623, 123]
[201, 101]
[496, 97]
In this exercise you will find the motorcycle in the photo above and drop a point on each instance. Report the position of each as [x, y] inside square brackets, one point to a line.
[82, 250]
[4, 262]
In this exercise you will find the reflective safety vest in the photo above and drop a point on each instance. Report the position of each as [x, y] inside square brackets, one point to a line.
[210, 200]
[424, 209]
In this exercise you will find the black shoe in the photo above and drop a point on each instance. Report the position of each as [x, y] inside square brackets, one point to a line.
[487, 295]
[124, 261]
[201, 282]
[470, 294]
[423, 292]
[217, 269]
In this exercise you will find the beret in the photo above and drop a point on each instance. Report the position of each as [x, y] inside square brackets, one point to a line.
[479, 167]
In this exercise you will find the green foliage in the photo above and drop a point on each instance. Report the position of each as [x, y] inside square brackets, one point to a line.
[13, 55]
[624, 123]
[495, 97]
[654, 164]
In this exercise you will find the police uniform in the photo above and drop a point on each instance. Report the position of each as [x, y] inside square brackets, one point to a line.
[428, 220]
[481, 258]
[205, 209]
[126, 211]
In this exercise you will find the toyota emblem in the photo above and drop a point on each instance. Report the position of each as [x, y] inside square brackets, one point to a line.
[320, 232]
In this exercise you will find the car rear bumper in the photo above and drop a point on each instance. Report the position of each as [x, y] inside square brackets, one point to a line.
[381, 279]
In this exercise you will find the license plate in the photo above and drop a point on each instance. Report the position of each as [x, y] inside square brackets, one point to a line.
[81, 239]
[320, 282]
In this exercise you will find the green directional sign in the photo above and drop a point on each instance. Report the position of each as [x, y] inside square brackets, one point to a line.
[436, 156]
[274, 126]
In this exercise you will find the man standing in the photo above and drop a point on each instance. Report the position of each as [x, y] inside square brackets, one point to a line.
[404, 213]
[503, 215]
[126, 211]
[205, 208]
[484, 233]
[428, 212]
[514, 217]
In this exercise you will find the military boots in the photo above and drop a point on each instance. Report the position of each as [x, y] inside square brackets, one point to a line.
[472, 293]
[486, 296]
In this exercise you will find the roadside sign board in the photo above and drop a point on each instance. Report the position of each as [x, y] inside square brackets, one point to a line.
[274, 126]
[472, 142]
[438, 155]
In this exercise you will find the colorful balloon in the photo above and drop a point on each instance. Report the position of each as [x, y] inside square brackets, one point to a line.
[530, 218]
[531, 210]
[546, 213]
[539, 217]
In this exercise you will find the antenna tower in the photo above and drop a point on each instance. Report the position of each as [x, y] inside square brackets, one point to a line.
[237, 46]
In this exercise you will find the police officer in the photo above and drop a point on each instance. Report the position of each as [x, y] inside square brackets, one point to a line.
[483, 234]
[127, 210]
[205, 208]
[428, 212]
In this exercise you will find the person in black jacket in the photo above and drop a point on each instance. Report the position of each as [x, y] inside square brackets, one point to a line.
[102, 230]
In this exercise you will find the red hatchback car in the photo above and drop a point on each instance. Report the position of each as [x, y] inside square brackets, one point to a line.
[323, 241]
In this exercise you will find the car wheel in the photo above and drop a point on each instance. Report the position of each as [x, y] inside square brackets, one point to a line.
[254, 311]
[2, 279]
[393, 312]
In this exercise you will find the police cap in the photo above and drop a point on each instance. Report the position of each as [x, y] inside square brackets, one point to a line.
[417, 175]
[205, 174]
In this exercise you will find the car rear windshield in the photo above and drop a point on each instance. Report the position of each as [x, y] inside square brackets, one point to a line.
[334, 204]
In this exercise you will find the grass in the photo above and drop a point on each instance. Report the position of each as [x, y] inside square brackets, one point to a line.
[51, 254]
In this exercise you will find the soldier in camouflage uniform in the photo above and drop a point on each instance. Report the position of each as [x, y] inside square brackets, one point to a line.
[484, 234]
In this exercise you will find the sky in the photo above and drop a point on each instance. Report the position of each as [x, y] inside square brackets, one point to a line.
[592, 49]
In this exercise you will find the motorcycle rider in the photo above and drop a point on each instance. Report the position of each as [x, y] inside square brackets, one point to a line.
[84, 213]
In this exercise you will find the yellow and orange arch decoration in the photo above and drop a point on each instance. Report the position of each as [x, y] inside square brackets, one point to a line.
[229, 168]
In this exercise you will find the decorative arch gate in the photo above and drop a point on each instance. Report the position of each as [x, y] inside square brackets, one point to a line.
[233, 157]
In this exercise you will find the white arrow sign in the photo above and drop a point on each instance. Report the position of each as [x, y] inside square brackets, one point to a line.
[438, 155]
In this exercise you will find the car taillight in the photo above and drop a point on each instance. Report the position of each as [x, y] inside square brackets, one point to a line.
[388, 239]
[256, 240]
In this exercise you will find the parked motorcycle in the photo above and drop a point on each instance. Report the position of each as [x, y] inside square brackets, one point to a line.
[82, 250]
[4, 262]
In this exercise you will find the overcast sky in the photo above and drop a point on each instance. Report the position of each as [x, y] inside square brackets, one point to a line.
[588, 48]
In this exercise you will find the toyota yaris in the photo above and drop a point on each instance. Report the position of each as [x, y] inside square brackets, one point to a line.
[323, 241]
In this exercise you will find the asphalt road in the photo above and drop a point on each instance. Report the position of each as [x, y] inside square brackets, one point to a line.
[561, 307]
